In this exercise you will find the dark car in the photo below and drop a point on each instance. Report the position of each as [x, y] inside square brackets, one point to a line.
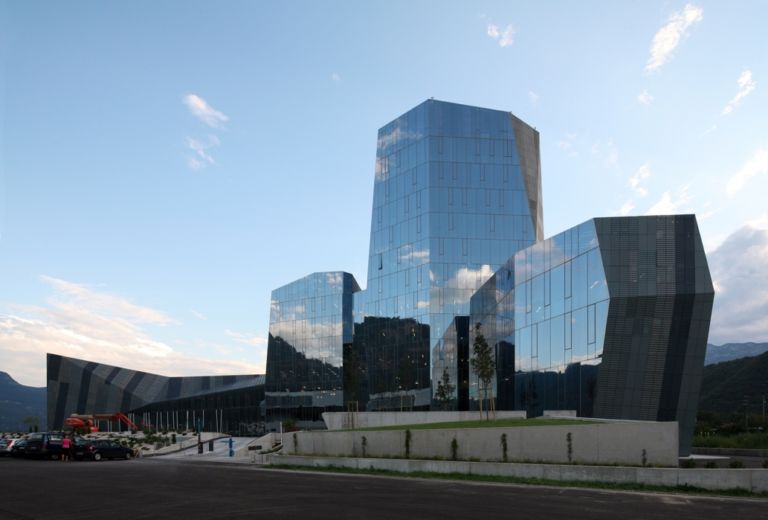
[17, 450]
[44, 445]
[6, 445]
[103, 449]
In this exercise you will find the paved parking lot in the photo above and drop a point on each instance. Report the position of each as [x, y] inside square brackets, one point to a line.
[157, 488]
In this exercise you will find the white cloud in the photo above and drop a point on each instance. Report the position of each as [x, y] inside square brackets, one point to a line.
[746, 85]
[741, 280]
[666, 39]
[204, 112]
[645, 97]
[417, 256]
[334, 279]
[608, 153]
[199, 315]
[81, 322]
[760, 222]
[504, 38]
[467, 281]
[335, 77]
[668, 205]
[246, 338]
[202, 158]
[90, 300]
[757, 165]
[636, 181]
[627, 208]
[533, 97]
[567, 144]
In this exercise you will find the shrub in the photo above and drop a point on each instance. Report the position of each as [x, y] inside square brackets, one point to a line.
[687, 463]
[407, 444]
[765, 463]
[569, 443]
[736, 464]
[711, 464]
[454, 449]
[504, 447]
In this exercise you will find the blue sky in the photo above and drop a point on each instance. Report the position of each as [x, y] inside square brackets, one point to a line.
[165, 165]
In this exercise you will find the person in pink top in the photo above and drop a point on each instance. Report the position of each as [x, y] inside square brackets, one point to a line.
[66, 444]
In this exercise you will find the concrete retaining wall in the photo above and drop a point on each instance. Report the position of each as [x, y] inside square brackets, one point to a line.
[348, 421]
[559, 413]
[592, 443]
[755, 480]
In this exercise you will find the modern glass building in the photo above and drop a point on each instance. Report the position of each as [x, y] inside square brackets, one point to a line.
[228, 404]
[310, 322]
[457, 191]
[609, 318]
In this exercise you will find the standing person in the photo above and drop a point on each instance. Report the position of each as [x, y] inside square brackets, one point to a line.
[66, 444]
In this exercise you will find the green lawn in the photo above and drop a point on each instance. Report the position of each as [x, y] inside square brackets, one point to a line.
[498, 423]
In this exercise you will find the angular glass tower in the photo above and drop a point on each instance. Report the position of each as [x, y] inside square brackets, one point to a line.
[457, 192]
[310, 321]
[609, 318]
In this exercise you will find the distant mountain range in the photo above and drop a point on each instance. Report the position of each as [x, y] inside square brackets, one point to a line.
[18, 402]
[729, 351]
[731, 386]
[731, 372]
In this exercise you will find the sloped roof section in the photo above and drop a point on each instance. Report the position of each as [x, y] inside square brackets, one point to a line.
[527, 141]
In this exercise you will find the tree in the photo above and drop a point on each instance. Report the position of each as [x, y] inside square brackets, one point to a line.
[32, 423]
[444, 393]
[483, 365]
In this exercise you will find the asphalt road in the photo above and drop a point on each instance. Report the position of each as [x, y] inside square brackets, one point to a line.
[156, 488]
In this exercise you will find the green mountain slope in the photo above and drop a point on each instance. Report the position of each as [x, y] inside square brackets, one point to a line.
[727, 387]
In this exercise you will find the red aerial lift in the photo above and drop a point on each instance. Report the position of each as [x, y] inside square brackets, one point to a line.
[88, 421]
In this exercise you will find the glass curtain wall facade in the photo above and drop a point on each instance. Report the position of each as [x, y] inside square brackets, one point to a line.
[609, 318]
[457, 192]
[310, 322]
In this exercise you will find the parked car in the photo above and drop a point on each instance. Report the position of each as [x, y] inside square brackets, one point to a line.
[17, 450]
[44, 445]
[6, 445]
[83, 449]
[103, 449]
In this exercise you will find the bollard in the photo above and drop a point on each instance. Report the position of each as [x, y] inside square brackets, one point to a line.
[231, 447]
[210, 445]
[199, 448]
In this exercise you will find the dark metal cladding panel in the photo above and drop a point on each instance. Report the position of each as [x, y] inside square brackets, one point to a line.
[125, 403]
[54, 365]
[174, 388]
[85, 386]
[661, 301]
[112, 375]
[61, 404]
